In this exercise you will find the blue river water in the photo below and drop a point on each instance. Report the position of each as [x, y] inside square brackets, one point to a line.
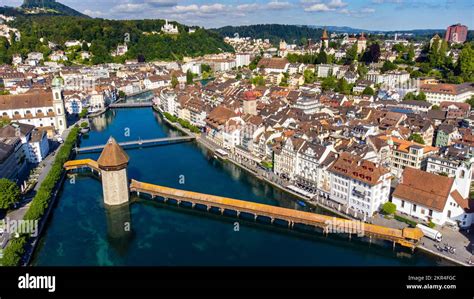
[81, 232]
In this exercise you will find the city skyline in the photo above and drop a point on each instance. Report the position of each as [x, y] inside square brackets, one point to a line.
[362, 14]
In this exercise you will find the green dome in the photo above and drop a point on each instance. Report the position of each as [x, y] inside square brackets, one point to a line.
[57, 82]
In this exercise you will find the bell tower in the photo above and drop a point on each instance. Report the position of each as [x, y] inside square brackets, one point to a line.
[58, 105]
[113, 162]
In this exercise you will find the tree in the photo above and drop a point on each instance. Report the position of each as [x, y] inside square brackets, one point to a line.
[189, 77]
[362, 70]
[343, 87]
[309, 76]
[85, 46]
[388, 66]
[421, 96]
[389, 208]
[284, 80]
[254, 62]
[122, 94]
[322, 57]
[174, 81]
[368, 91]
[14, 251]
[329, 83]
[465, 65]
[83, 113]
[409, 96]
[471, 102]
[435, 107]
[351, 54]
[415, 137]
[372, 54]
[9, 193]
[258, 81]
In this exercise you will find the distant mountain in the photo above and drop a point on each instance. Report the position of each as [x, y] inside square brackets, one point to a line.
[48, 7]
[350, 30]
[273, 32]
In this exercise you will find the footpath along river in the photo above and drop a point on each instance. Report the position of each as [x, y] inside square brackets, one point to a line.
[81, 232]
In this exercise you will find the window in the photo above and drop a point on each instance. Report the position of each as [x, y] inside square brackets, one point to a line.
[414, 208]
[403, 203]
[449, 214]
[430, 212]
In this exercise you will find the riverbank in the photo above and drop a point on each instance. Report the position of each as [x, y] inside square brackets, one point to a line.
[98, 113]
[311, 203]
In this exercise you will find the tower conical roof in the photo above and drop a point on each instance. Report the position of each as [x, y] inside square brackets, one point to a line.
[325, 35]
[113, 157]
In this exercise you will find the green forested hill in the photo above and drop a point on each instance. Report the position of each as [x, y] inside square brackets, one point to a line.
[51, 7]
[274, 32]
[105, 35]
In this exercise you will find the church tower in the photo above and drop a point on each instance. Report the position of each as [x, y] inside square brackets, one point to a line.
[58, 105]
[113, 162]
[325, 40]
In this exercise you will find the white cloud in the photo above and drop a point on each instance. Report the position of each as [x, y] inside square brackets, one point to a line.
[93, 13]
[277, 5]
[363, 12]
[318, 7]
[130, 8]
[248, 7]
[336, 4]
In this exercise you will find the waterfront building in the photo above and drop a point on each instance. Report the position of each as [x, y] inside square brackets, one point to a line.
[157, 81]
[74, 102]
[40, 108]
[432, 197]
[223, 127]
[458, 166]
[308, 164]
[284, 158]
[360, 184]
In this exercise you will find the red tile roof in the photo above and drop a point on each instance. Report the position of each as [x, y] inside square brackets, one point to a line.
[424, 188]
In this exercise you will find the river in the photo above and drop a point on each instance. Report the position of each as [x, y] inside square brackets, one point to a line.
[81, 232]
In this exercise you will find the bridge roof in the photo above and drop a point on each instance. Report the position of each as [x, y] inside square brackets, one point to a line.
[113, 156]
[402, 235]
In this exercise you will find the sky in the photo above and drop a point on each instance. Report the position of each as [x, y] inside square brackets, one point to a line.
[363, 14]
